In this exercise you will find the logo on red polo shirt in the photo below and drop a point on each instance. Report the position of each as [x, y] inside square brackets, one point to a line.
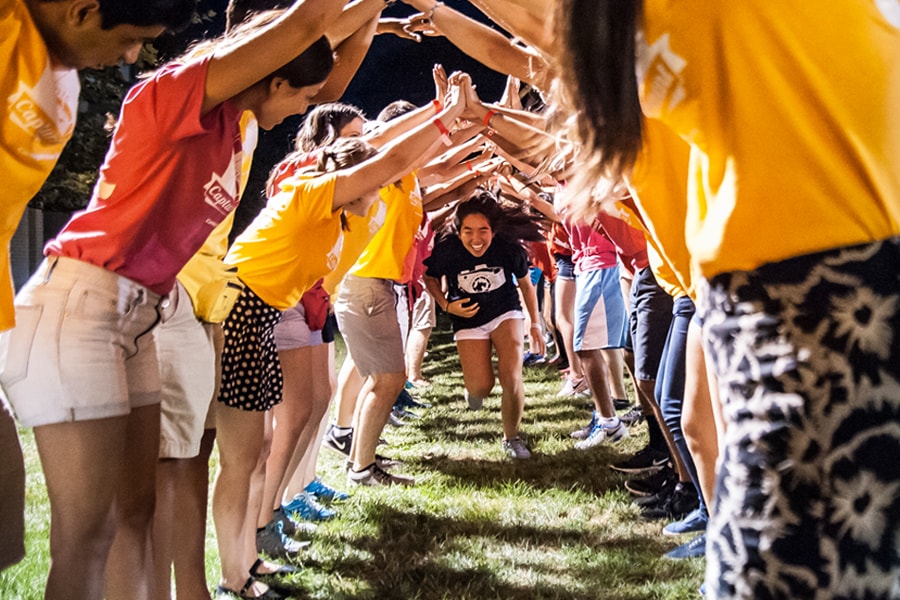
[221, 194]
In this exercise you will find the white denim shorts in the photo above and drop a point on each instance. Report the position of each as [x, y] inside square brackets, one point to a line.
[187, 366]
[484, 332]
[81, 348]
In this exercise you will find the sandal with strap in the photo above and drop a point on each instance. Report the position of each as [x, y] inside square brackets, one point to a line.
[269, 594]
[280, 569]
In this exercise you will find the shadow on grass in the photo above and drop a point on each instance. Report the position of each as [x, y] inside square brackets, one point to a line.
[410, 558]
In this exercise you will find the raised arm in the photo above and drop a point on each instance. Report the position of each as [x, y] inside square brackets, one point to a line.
[348, 57]
[402, 155]
[484, 44]
[526, 19]
[238, 66]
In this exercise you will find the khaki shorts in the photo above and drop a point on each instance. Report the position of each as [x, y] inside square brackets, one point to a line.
[187, 368]
[366, 311]
[424, 314]
[81, 348]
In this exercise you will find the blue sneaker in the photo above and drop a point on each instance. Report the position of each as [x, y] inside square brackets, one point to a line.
[306, 507]
[696, 548]
[694, 522]
[323, 491]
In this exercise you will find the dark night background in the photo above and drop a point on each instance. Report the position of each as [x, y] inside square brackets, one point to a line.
[393, 69]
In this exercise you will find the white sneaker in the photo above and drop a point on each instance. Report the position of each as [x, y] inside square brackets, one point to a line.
[584, 432]
[373, 475]
[603, 433]
[574, 387]
[516, 448]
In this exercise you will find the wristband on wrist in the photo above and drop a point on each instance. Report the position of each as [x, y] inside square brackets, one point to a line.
[445, 133]
[430, 14]
[438, 105]
[488, 117]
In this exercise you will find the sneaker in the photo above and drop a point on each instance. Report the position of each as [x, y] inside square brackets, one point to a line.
[373, 475]
[402, 413]
[339, 442]
[584, 432]
[272, 540]
[603, 433]
[680, 502]
[533, 359]
[621, 403]
[474, 402]
[695, 521]
[574, 387]
[695, 548]
[648, 460]
[323, 491]
[383, 462]
[291, 527]
[306, 507]
[632, 417]
[405, 400]
[516, 448]
[653, 484]
[394, 420]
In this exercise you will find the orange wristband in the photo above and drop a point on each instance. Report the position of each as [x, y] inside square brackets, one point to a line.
[445, 133]
[438, 107]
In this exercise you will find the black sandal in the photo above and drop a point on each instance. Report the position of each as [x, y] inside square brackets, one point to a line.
[269, 594]
[280, 570]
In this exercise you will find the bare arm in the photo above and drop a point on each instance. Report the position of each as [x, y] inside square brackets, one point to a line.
[399, 157]
[525, 19]
[486, 45]
[235, 68]
[350, 54]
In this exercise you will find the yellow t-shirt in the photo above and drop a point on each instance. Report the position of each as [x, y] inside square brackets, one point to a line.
[206, 268]
[384, 256]
[40, 104]
[360, 231]
[792, 109]
[293, 242]
[659, 187]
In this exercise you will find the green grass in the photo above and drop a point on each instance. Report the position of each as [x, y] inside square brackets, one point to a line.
[476, 525]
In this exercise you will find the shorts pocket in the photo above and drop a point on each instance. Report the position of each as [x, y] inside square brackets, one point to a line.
[15, 345]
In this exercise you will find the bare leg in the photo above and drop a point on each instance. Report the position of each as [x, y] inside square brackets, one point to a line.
[416, 343]
[615, 361]
[565, 322]
[191, 496]
[240, 438]
[475, 363]
[12, 492]
[349, 388]
[596, 371]
[697, 416]
[81, 508]
[291, 417]
[130, 571]
[376, 402]
[508, 339]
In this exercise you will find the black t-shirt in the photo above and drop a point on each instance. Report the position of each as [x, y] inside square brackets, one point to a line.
[487, 280]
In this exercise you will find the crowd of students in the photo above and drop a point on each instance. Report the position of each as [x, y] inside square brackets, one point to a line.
[710, 191]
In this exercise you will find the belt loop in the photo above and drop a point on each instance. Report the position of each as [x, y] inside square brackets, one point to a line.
[48, 271]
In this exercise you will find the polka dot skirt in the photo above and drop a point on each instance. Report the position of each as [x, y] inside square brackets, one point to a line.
[251, 373]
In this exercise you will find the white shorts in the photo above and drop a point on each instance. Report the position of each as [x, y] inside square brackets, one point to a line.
[424, 313]
[81, 348]
[187, 368]
[484, 332]
[293, 332]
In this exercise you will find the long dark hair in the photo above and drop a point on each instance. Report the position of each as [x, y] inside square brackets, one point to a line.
[323, 124]
[508, 221]
[598, 64]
